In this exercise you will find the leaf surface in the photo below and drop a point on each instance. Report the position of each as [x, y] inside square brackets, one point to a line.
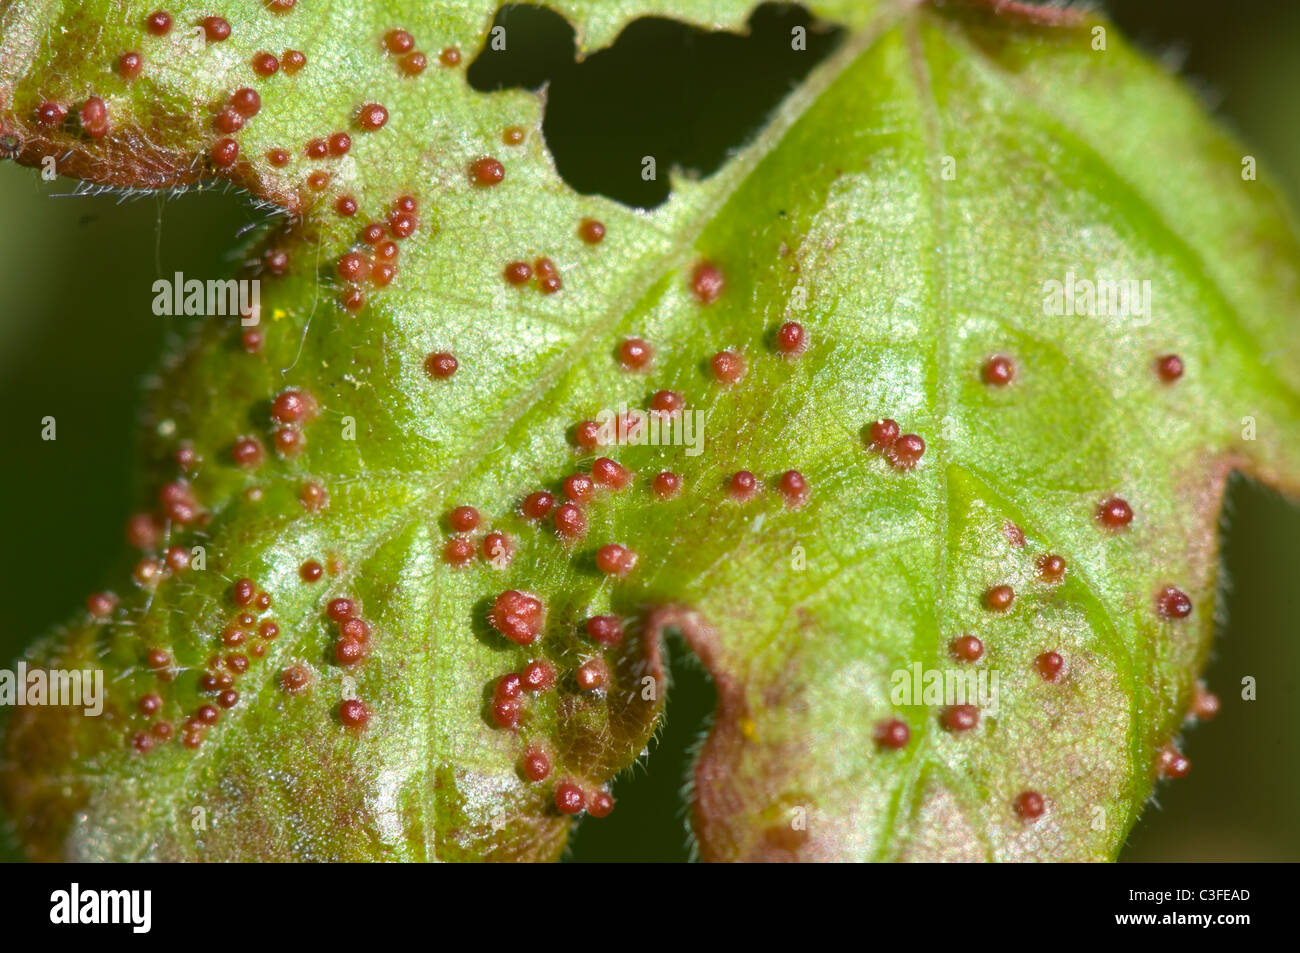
[909, 204]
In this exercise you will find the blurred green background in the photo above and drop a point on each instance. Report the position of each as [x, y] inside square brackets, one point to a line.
[78, 342]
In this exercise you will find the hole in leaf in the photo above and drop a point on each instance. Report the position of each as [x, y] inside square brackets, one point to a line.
[678, 95]
[649, 822]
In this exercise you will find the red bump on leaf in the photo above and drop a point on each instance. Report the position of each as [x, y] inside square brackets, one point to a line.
[159, 23]
[246, 102]
[354, 628]
[601, 804]
[293, 405]
[458, 551]
[518, 272]
[569, 521]
[609, 473]
[728, 367]
[1173, 603]
[960, 717]
[463, 519]
[518, 616]
[742, 486]
[537, 505]
[50, 113]
[129, 65]
[587, 434]
[341, 609]
[398, 41]
[1114, 513]
[403, 224]
[313, 496]
[215, 29]
[101, 604]
[591, 231]
[1029, 805]
[243, 592]
[1049, 665]
[94, 118]
[794, 487]
[1172, 763]
[569, 798]
[635, 354]
[228, 121]
[998, 371]
[666, 485]
[498, 550]
[295, 679]
[967, 648]
[578, 487]
[265, 64]
[1205, 704]
[592, 675]
[882, 434]
[441, 365]
[508, 687]
[615, 560]
[893, 733]
[1051, 568]
[349, 652]
[536, 765]
[413, 63]
[999, 598]
[353, 713]
[372, 116]
[507, 713]
[538, 676]
[906, 452]
[791, 339]
[247, 452]
[548, 278]
[224, 153]
[707, 282]
[352, 267]
[1169, 367]
[292, 61]
[487, 171]
[605, 629]
[667, 403]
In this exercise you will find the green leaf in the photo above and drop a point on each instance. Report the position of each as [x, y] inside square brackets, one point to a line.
[909, 205]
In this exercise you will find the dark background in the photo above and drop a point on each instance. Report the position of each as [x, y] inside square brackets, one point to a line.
[78, 339]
